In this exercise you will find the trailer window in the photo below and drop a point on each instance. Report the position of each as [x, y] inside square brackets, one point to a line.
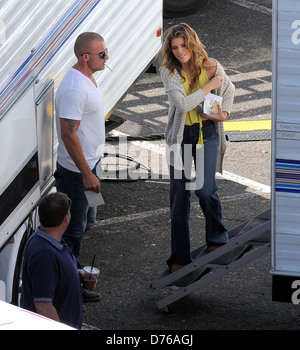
[19, 188]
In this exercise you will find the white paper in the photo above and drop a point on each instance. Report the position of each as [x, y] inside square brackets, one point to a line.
[94, 198]
[209, 103]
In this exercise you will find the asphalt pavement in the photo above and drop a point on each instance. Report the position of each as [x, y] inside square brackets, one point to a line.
[131, 237]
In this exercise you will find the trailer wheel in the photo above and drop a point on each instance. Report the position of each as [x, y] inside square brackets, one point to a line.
[17, 283]
[179, 8]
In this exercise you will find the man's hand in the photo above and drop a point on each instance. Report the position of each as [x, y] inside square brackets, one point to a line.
[84, 279]
[91, 182]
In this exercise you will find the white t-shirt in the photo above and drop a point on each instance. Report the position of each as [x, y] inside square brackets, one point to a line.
[78, 98]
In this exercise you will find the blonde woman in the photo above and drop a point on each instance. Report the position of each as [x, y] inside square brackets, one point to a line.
[188, 75]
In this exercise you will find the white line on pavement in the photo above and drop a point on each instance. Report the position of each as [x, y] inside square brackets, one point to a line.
[246, 182]
[252, 6]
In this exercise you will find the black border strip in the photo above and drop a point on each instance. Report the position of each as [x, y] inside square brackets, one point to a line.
[19, 188]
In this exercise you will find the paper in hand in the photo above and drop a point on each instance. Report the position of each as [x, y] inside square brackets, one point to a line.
[211, 103]
[94, 198]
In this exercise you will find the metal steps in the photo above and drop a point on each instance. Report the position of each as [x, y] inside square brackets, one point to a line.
[247, 242]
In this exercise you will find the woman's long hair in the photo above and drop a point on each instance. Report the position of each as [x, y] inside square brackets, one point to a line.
[193, 44]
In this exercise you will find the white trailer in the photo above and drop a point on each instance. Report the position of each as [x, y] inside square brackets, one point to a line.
[36, 49]
[285, 205]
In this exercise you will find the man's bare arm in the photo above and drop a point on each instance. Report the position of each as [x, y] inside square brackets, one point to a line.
[69, 129]
[46, 309]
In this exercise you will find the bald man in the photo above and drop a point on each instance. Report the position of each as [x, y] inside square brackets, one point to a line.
[81, 134]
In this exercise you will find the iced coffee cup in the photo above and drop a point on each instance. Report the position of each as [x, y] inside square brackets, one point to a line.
[89, 283]
[92, 271]
[90, 277]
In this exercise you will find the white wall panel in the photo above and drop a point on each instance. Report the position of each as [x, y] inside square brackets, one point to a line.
[18, 138]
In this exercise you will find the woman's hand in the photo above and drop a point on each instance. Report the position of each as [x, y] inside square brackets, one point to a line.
[214, 83]
[219, 117]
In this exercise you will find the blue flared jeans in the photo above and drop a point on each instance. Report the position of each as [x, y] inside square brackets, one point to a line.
[209, 200]
[82, 215]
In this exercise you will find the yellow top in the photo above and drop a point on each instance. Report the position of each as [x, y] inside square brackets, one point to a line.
[193, 116]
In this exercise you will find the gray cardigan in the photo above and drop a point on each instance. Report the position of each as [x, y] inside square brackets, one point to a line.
[180, 103]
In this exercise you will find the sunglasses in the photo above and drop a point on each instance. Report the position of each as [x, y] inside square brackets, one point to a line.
[102, 54]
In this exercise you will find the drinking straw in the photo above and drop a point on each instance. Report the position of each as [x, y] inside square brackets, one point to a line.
[92, 267]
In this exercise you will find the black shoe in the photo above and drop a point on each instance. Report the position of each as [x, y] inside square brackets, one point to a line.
[89, 295]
